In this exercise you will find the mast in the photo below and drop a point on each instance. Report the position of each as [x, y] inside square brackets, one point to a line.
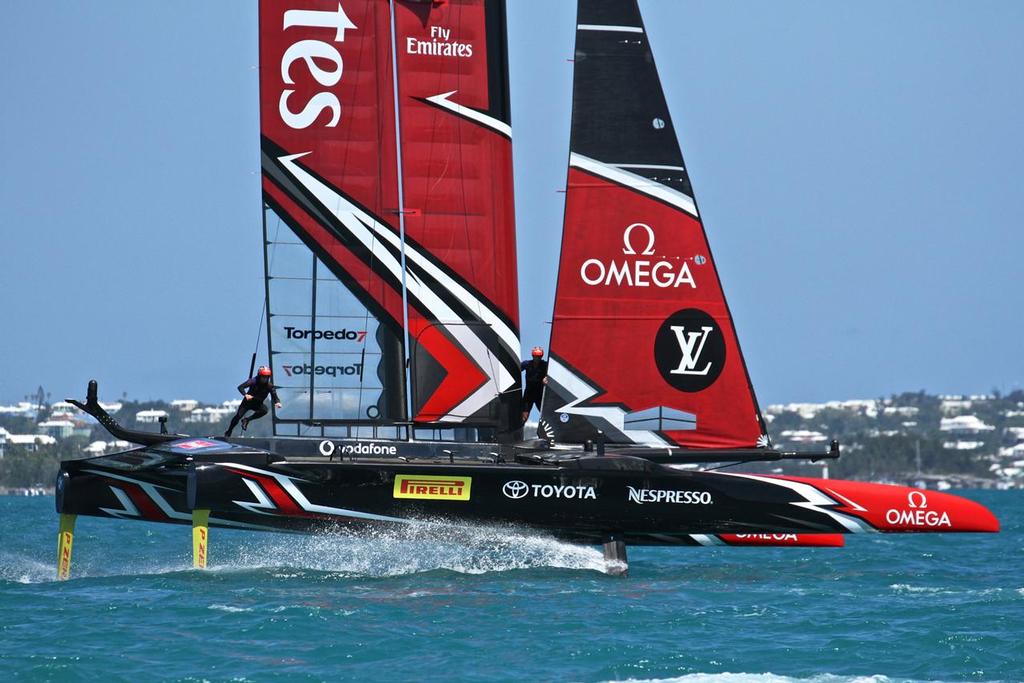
[401, 215]
[662, 366]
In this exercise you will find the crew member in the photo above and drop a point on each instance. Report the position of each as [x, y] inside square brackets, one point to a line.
[536, 370]
[254, 391]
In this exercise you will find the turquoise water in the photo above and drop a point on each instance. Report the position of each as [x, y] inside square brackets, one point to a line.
[500, 605]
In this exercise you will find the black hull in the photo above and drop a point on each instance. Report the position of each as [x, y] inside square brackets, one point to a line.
[582, 497]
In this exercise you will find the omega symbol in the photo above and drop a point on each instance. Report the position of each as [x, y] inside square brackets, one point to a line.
[627, 239]
[917, 499]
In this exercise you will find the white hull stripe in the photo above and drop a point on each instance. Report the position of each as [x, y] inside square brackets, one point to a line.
[128, 508]
[636, 182]
[165, 507]
[288, 485]
[581, 391]
[815, 500]
[707, 539]
[609, 27]
[372, 235]
[263, 506]
[470, 113]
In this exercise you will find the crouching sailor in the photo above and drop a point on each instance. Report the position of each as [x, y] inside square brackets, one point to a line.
[254, 391]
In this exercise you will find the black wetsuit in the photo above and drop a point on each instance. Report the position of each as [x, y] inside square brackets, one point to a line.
[259, 388]
[533, 391]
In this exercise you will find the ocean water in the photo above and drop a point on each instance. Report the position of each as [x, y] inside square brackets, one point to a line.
[502, 605]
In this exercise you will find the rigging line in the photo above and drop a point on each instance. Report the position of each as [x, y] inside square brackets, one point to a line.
[731, 464]
[406, 352]
[366, 330]
[266, 294]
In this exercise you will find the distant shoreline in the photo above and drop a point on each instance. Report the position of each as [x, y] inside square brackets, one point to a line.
[26, 491]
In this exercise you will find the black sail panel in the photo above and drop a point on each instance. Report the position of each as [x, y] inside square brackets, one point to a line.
[619, 112]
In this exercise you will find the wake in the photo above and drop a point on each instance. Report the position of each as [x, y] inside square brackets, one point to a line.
[417, 548]
[414, 549]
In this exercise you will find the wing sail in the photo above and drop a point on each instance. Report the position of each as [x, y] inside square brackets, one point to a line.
[388, 214]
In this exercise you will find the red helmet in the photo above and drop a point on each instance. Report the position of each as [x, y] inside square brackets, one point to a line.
[264, 371]
[537, 352]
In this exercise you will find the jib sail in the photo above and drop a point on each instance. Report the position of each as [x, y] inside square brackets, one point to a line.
[356, 287]
[661, 364]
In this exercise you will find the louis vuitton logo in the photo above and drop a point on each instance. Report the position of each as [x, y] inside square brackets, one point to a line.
[690, 346]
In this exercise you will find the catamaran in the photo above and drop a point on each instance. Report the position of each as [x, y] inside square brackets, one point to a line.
[392, 315]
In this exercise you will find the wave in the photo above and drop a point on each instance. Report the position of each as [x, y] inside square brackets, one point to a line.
[770, 678]
[16, 568]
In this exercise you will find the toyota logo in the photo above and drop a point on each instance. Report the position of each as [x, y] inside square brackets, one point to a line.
[515, 489]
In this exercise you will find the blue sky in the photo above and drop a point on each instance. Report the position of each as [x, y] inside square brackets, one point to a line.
[857, 167]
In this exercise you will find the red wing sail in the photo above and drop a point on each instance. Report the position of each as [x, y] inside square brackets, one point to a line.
[330, 189]
[379, 195]
[458, 217]
[661, 364]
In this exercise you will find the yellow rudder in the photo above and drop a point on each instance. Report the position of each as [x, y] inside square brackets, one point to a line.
[65, 538]
[200, 537]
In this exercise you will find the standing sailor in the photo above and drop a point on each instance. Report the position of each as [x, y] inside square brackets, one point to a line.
[254, 391]
[536, 371]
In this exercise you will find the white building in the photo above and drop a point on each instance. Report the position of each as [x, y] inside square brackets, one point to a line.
[802, 436]
[22, 409]
[101, 447]
[30, 442]
[962, 445]
[903, 411]
[209, 415]
[59, 429]
[1015, 433]
[150, 416]
[964, 424]
[185, 405]
[96, 448]
[951, 405]
[1012, 451]
[808, 411]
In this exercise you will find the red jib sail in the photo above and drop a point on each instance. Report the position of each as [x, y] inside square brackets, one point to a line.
[643, 346]
[375, 214]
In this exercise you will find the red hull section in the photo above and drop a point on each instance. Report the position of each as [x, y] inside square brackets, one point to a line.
[784, 540]
[861, 506]
[890, 508]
